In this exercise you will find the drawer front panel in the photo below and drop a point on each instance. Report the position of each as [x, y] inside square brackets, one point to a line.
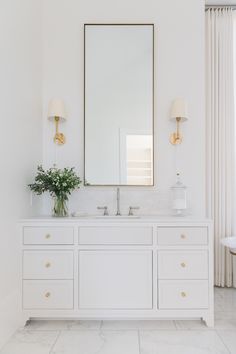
[169, 236]
[48, 265]
[188, 294]
[115, 235]
[183, 264]
[48, 235]
[48, 294]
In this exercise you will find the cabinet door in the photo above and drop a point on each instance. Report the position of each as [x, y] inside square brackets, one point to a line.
[110, 279]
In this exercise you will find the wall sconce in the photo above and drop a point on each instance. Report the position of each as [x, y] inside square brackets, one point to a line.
[179, 113]
[56, 113]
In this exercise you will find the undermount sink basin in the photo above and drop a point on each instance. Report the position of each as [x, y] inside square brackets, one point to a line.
[230, 242]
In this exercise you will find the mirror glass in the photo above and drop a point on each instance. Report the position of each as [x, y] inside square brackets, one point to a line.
[118, 84]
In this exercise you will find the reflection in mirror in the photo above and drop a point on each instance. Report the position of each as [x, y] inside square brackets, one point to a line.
[119, 105]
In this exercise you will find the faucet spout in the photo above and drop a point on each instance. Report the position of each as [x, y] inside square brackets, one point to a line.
[118, 202]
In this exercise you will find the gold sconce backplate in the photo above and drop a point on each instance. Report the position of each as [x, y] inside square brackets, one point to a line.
[176, 139]
[59, 138]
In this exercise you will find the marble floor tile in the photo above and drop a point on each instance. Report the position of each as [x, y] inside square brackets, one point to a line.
[121, 337]
[77, 325]
[225, 324]
[225, 300]
[30, 342]
[229, 338]
[94, 342]
[192, 325]
[148, 324]
[181, 342]
[61, 325]
[225, 315]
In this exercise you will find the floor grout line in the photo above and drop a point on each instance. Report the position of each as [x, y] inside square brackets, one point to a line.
[175, 324]
[139, 342]
[222, 340]
[54, 343]
[101, 325]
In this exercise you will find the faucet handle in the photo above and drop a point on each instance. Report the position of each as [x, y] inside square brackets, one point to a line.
[131, 208]
[105, 208]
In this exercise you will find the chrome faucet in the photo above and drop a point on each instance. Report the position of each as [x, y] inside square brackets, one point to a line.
[118, 202]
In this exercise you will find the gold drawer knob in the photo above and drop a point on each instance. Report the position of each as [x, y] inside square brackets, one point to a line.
[183, 237]
[48, 265]
[48, 294]
[183, 265]
[183, 294]
[47, 236]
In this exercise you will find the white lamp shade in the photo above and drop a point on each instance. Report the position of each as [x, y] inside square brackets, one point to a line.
[179, 109]
[56, 108]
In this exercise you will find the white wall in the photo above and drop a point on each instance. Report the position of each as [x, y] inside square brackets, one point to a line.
[179, 65]
[20, 141]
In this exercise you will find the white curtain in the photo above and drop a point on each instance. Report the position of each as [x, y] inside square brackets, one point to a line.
[220, 135]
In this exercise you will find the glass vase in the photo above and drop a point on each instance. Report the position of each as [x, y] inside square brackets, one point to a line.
[60, 206]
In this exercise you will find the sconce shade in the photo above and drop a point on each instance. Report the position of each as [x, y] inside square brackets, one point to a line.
[179, 109]
[56, 108]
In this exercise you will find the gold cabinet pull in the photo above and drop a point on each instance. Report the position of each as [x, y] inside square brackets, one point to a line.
[183, 265]
[183, 294]
[48, 265]
[48, 294]
[47, 236]
[183, 237]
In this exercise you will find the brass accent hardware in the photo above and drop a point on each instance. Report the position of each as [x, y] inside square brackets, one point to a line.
[48, 265]
[48, 294]
[47, 236]
[183, 265]
[57, 114]
[183, 236]
[176, 138]
[59, 138]
[183, 294]
[178, 115]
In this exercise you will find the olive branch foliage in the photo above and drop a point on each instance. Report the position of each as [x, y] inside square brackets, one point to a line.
[58, 182]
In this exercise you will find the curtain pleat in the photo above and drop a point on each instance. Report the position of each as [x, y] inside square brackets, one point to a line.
[220, 135]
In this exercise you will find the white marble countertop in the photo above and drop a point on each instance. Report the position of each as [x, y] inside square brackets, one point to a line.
[117, 219]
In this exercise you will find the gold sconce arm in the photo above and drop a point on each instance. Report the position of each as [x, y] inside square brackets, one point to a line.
[59, 138]
[178, 114]
[176, 137]
[56, 114]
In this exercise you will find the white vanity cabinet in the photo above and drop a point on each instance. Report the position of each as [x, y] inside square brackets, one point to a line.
[145, 268]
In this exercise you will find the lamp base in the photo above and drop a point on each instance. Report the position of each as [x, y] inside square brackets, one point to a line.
[59, 139]
[176, 139]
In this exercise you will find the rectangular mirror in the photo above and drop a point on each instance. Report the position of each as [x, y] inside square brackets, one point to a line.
[119, 108]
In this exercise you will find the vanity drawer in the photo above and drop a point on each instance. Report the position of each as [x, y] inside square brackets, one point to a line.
[183, 264]
[169, 236]
[48, 235]
[48, 294]
[188, 294]
[48, 265]
[117, 235]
